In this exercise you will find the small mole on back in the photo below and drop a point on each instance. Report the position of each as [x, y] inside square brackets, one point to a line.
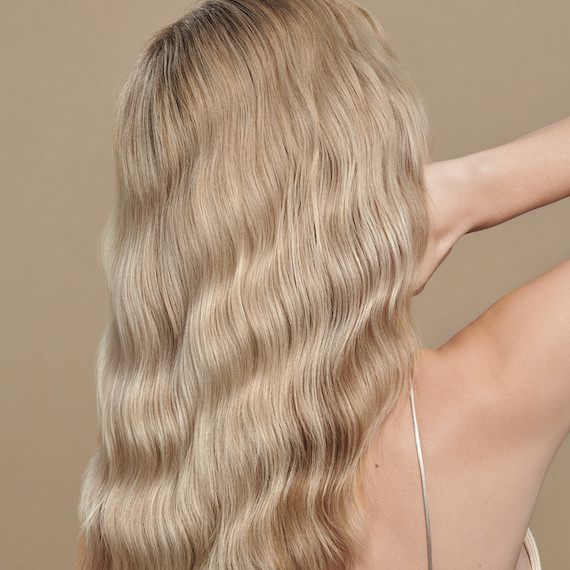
[376, 465]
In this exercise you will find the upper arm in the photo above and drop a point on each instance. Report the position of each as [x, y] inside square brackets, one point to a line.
[521, 349]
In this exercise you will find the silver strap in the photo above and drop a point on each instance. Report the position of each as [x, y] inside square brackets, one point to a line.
[422, 473]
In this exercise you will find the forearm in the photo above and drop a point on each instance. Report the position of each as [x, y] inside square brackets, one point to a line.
[486, 188]
[508, 180]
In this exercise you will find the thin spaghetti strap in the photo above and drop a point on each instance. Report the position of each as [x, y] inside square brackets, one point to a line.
[422, 473]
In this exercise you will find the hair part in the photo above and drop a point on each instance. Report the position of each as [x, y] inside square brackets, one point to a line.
[270, 218]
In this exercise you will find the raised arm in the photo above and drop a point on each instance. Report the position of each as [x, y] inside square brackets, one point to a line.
[519, 348]
[488, 187]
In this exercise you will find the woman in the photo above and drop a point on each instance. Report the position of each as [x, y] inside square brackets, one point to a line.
[276, 214]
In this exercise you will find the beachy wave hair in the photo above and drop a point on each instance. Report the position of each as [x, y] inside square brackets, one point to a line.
[270, 219]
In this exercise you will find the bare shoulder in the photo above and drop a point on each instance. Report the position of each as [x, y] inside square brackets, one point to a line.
[515, 360]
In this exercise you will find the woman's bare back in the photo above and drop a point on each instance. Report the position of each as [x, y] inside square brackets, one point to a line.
[480, 498]
[492, 407]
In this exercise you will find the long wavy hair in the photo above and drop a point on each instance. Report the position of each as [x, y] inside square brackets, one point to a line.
[260, 260]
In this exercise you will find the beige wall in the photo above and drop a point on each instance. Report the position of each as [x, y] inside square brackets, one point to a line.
[489, 71]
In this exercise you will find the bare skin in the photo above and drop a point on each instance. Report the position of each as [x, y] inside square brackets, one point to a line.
[481, 491]
[493, 403]
[486, 188]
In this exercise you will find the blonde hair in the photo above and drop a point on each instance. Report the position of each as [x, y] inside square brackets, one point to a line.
[270, 219]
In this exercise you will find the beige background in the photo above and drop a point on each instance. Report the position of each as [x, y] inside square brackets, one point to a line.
[490, 70]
